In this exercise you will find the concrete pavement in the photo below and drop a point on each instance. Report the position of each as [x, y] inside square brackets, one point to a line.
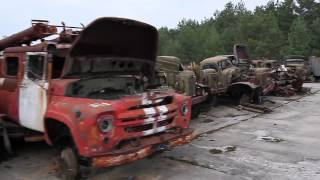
[283, 144]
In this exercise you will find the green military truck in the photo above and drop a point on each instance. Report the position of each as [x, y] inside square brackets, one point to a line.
[171, 73]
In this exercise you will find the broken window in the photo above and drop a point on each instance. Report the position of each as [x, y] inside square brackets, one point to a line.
[11, 66]
[209, 66]
[57, 66]
[35, 67]
[225, 64]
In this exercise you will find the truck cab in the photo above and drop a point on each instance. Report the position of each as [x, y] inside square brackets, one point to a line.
[218, 72]
[91, 93]
[224, 78]
[298, 66]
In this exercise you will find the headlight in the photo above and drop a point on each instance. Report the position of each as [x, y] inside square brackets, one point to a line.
[104, 123]
[184, 109]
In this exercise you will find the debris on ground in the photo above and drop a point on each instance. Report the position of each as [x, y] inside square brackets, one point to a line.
[254, 108]
[224, 149]
[263, 135]
[271, 139]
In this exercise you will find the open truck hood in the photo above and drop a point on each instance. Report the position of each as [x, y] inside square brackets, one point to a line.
[241, 53]
[114, 39]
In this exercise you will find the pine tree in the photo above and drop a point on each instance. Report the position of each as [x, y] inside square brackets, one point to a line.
[298, 39]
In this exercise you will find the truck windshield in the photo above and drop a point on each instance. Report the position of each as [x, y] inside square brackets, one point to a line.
[35, 67]
[225, 64]
[210, 66]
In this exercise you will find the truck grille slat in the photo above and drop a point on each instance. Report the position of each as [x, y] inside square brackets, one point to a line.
[148, 121]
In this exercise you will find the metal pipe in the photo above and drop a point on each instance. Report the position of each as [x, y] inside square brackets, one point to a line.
[36, 32]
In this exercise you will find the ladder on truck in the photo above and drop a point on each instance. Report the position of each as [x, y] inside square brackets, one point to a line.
[5, 136]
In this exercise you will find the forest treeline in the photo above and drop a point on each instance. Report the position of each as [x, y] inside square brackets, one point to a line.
[289, 27]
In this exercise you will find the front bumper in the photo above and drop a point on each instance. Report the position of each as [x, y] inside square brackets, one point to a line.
[145, 149]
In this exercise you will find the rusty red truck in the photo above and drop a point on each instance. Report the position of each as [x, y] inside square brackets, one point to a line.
[90, 92]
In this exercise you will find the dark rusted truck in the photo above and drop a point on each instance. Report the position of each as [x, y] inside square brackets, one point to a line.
[223, 78]
[270, 75]
[91, 92]
[298, 65]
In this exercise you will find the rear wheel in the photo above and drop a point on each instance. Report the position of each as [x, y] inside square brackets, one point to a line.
[297, 84]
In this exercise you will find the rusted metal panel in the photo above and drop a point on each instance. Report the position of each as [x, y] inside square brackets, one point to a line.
[124, 158]
[37, 31]
[212, 60]
[127, 39]
[169, 64]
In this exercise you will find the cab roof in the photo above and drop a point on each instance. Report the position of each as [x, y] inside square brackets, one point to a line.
[215, 59]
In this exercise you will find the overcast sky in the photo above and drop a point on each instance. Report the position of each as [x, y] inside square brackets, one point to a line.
[15, 15]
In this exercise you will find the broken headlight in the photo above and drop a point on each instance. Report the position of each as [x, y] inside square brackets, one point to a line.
[184, 109]
[104, 123]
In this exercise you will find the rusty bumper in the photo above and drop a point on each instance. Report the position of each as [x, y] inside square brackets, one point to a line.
[124, 158]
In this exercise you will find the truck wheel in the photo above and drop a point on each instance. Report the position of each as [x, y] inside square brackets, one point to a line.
[298, 85]
[68, 164]
[245, 98]
[257, 98]
[195, 111]
[214, 101]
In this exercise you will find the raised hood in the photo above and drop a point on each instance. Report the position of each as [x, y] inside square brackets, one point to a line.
[241, 53]
[114, 39]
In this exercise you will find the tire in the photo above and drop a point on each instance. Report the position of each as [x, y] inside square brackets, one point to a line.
[239, 97]
[195, 111]
[214, 101]
[245, 98]
[297, 85]
[68, 164]
[257, 98]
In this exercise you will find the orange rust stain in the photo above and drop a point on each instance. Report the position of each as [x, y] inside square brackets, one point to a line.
[109, 161]
[94, 136]
[116, 160]
[182, 140]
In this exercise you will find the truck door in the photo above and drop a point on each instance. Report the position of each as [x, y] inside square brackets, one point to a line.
[33, 92]
[9, 84]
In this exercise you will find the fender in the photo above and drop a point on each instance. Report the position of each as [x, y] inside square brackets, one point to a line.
[65, 119]
[248, 84]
